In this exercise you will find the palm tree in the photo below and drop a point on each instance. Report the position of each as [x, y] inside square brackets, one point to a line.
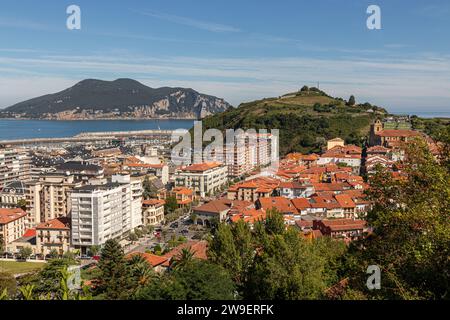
[140, 269]
[184, 257]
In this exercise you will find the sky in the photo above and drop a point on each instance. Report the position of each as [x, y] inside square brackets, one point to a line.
[236, 50]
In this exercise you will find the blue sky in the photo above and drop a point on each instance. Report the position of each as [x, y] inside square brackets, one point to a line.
[238, 50]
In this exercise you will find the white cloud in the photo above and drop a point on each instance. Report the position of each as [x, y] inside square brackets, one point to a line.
[199, 24]
[397, 83]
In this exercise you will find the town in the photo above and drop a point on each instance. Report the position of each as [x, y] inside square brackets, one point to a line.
[57, 199]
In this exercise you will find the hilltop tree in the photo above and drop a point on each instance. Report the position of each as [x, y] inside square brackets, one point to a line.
[351, 101]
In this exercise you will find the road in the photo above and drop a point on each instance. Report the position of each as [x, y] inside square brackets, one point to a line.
[169, 230]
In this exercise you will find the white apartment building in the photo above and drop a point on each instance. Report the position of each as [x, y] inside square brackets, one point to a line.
[203, 178]
[246, 153]
[136, 191]
[100, 213]
[15, 164]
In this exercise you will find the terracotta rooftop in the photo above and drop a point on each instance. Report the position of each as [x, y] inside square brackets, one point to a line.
[9, 215]
[62, 223]
[200, 167]
[153, 202]
[398, 133]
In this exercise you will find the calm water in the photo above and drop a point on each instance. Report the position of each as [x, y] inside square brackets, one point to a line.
[27, 129]
[436, 114]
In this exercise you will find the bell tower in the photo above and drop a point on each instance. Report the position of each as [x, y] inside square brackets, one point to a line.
[378, 126]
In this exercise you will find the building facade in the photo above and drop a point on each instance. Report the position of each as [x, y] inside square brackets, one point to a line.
[203, 178]
[12, 224]
[100, 213]
[53, 235]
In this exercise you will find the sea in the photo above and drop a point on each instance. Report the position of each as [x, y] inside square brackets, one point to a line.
[11, 129]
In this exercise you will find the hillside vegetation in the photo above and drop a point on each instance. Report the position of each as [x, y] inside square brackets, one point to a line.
[306, 119]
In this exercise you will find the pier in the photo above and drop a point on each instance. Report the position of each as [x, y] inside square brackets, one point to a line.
[94, 136]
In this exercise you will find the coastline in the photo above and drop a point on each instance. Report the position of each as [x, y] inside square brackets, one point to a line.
[100, 119]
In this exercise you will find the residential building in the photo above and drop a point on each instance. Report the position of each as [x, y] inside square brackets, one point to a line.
[294, 189]
[12, 224]
[15, 164]
[81, 171]
[341, 228]
[152, 211]
[12, 193]
[253, 189]
[136, 190]
[52, 191]
[335, 142]
[160, 170]
[348, 155]
[100, 213]
[184, 196]
[203, 178]
[53, 235]
[215, 210]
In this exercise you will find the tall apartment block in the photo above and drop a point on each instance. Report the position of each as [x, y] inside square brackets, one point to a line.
[100, 213]
[15, 164]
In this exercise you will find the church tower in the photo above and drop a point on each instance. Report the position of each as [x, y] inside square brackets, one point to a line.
[375, 128]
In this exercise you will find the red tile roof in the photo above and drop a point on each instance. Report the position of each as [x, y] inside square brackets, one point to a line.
[199, 248]
[200, 167]
[62, 223]
[153, 202]
[398, 133]
[282, 204]
[29, 233]
[153, 259]
[10, 215]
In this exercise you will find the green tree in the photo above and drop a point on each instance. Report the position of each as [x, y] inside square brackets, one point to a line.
[133, 237]
[410, 241]
[94, 250]
[140, 271]
[22, 204]
[8, 284]
[233, 248]
[184, 258]
[53, 254]
[171, 205]
[351, 101]
[197, 280]
[274, 222]
[113, 271]
[47, 281]
[25, 252]
[2, 244]
[149, 189]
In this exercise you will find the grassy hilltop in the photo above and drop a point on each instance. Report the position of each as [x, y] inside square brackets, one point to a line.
[306, 119]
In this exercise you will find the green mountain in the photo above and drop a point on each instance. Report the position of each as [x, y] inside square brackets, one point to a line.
[306, 119]
[121, 97]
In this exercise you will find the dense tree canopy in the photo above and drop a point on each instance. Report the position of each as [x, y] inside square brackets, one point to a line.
[411, 231]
